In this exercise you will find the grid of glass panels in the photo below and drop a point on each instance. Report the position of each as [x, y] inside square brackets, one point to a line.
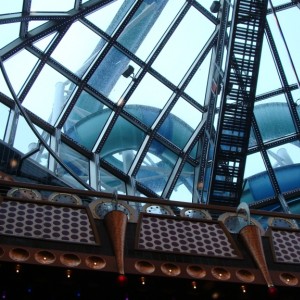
[129, 81]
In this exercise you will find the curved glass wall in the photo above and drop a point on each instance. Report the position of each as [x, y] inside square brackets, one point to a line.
[120, 91]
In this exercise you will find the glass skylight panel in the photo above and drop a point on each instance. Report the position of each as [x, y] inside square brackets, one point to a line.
[140, 24]
[284, 155]
[197, 86]
[25, 137]
[184, 185]
[42, 156]
[192, 116]
[257, 188]
[77, 48]
[14, 63]
[254, 165]
[34, 24]
[119, 148]
[110, 183]
[268, 77]
[120, 89]
[274, 120]
[183, 46]
[291, 36]
[287, 172]
[3, 86]
[156, 167]
[53, 5]
[149, 93]
[46, 94]
[9, 32]
[180, 123]
[43, 43]
[109, 16]
[277, 3]
[109, 71]
[206, 4]
[7, 7]
[86, 120]
[76, 162]
[4, 113]
[282, 51]
[168, 13]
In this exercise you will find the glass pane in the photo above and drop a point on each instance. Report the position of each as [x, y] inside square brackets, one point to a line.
[156, 167]
[252, 139]
[197, 86]
[46, 96]
[175, 128]
[82, 43]
[4, 113]
[110, 70]
[53, 5]
[3, 86]
[35, 24]
[184, 186]
[25, 137]
[149, 94]
[86, 120]
[76, 162]
[183, 47]
[254, 165]
[258, 184]
[285, 160]
[192, 116]
[166, 12]
[291, 37]
[8, 33]
[281, 48]
[124, 82]
[274, 120]
[18, 75]
[110, 183]
[267, 70]
[109, 16]
[139, 26]
[11, 6]
[285, 155]
[205, 4]
[42, 44]
[42, 156]
[120, 149]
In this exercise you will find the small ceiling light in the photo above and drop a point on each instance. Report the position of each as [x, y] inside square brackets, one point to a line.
[13, 163]
[68, 273]
[215, 295]
[18, 268]
[129, 72]
[194, 285]
[215, 7]
[143, 280]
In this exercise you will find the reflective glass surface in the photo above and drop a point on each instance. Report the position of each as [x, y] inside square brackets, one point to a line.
[136, 90]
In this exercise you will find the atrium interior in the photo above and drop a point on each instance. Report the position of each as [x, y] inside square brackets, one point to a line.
[173, 112]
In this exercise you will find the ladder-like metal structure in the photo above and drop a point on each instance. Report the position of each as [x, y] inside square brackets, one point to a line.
[237, 102]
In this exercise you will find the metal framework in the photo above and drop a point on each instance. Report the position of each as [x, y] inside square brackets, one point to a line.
[221, 150]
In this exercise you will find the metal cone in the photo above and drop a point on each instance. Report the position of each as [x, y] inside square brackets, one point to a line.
[252, 237]
[116, 223]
